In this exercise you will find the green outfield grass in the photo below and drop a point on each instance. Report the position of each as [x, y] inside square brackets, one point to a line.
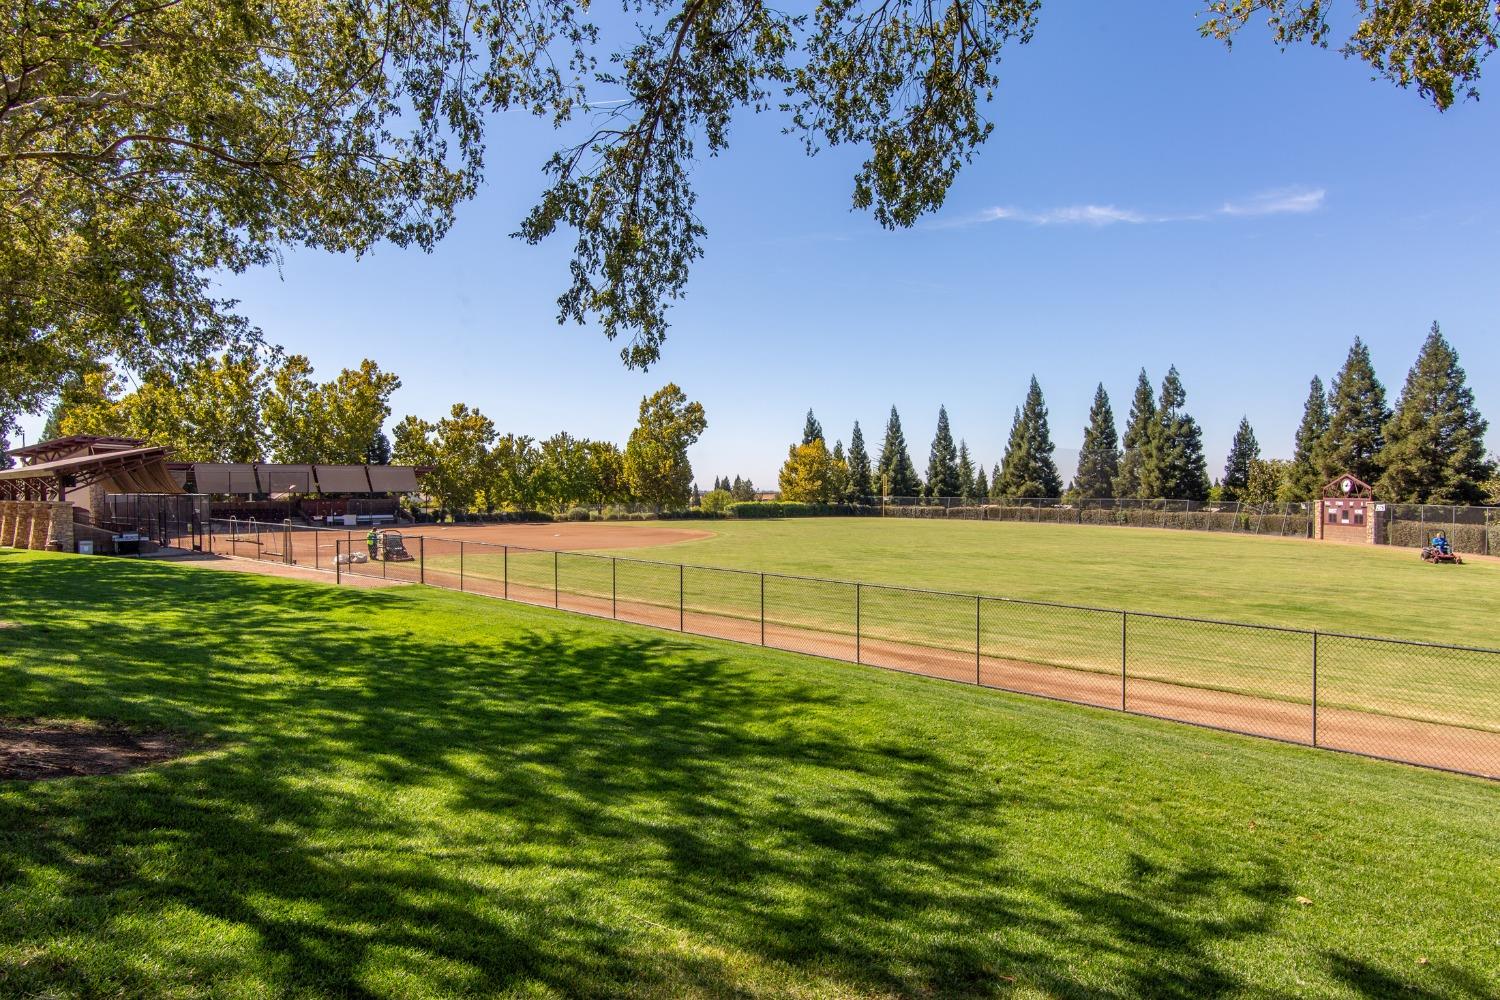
[1337, 588]
[410, 793]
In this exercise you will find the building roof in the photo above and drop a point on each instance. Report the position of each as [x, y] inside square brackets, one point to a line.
[131, 470]
[73, 444]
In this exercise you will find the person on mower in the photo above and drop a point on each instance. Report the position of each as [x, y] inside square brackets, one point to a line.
[1440, 543]
[372, 539]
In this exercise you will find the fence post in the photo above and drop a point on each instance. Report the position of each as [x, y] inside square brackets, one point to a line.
[555, 600]
[317, 555]
[614, 588]
[338, 569]
[977, 602]
[1315, 688]
[422, 559]
[505, 570]
[286, 542]
[858, 604]
[257, 539]
[460, 566]
[763, 609]
[681, 601]
[1124, 639]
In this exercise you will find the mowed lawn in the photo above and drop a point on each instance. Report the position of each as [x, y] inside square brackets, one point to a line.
[411, 792]
[1374, 590]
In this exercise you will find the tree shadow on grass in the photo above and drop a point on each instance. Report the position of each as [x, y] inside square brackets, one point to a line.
[574, 807]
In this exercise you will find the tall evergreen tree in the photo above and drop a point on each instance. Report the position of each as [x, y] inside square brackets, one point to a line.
[981, 483]
[1137, 434]
[52, 429]
[811, 429]
[996, 492]
[1243, 450]
[897, 474]
[1172, 464]
[965, 474]
[859, 467]
[942, 461]
[1434, 449]
[1029, 469]
[1304, 477]
[1099, 459]
[1356, 421]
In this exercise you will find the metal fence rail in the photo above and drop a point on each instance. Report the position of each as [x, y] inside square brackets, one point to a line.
[1421, 703]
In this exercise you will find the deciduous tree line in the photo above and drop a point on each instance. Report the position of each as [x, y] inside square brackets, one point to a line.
[1428, 449]
[475, 467]
[238, 407]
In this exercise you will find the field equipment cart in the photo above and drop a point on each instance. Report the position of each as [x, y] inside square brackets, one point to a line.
[393, 547]
[1432, 554]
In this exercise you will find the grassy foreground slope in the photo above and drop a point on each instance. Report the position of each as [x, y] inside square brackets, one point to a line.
[408, 793]
[1376, 590]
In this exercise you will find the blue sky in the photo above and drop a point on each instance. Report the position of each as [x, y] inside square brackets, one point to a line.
[1147, 198]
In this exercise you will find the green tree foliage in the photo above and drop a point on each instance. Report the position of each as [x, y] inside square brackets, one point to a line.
[1435, 47]
[861, 484]
[1266, 481]
[1243, 450]
[808, 475]
[656, 461]
[896, 475]
[356, 404]
[52, 429]
[942, 461]
[209, 412]
[332, 422]
[1434, 449]
[513, 478]
[743, 490]
[1099, 458]
[840, 485]
[811, 429]
[966, 475]
[457, 448]
[1304, 477]
[378, 451]
[1356, 422]
[716, 501]
[1028, 469]
[563, 478]
[1137, 437]
[607, 473]
[1173, 465]
[981, 484]
[145, 146]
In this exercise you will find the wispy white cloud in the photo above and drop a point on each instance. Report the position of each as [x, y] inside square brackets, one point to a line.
[1282, 201]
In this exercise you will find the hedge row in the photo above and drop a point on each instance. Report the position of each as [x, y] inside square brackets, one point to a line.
[1463, 537]
[779, 508]
[1294, 525]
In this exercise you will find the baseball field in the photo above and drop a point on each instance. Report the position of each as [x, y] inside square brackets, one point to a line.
[410, 792]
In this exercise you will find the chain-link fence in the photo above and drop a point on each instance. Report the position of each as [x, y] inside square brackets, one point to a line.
[1473, 530]
[1421, 703]
[1283, 519]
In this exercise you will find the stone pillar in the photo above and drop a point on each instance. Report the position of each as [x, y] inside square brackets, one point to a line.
[20, 529]
[60, 536]
[7, 520]
[41, 521]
